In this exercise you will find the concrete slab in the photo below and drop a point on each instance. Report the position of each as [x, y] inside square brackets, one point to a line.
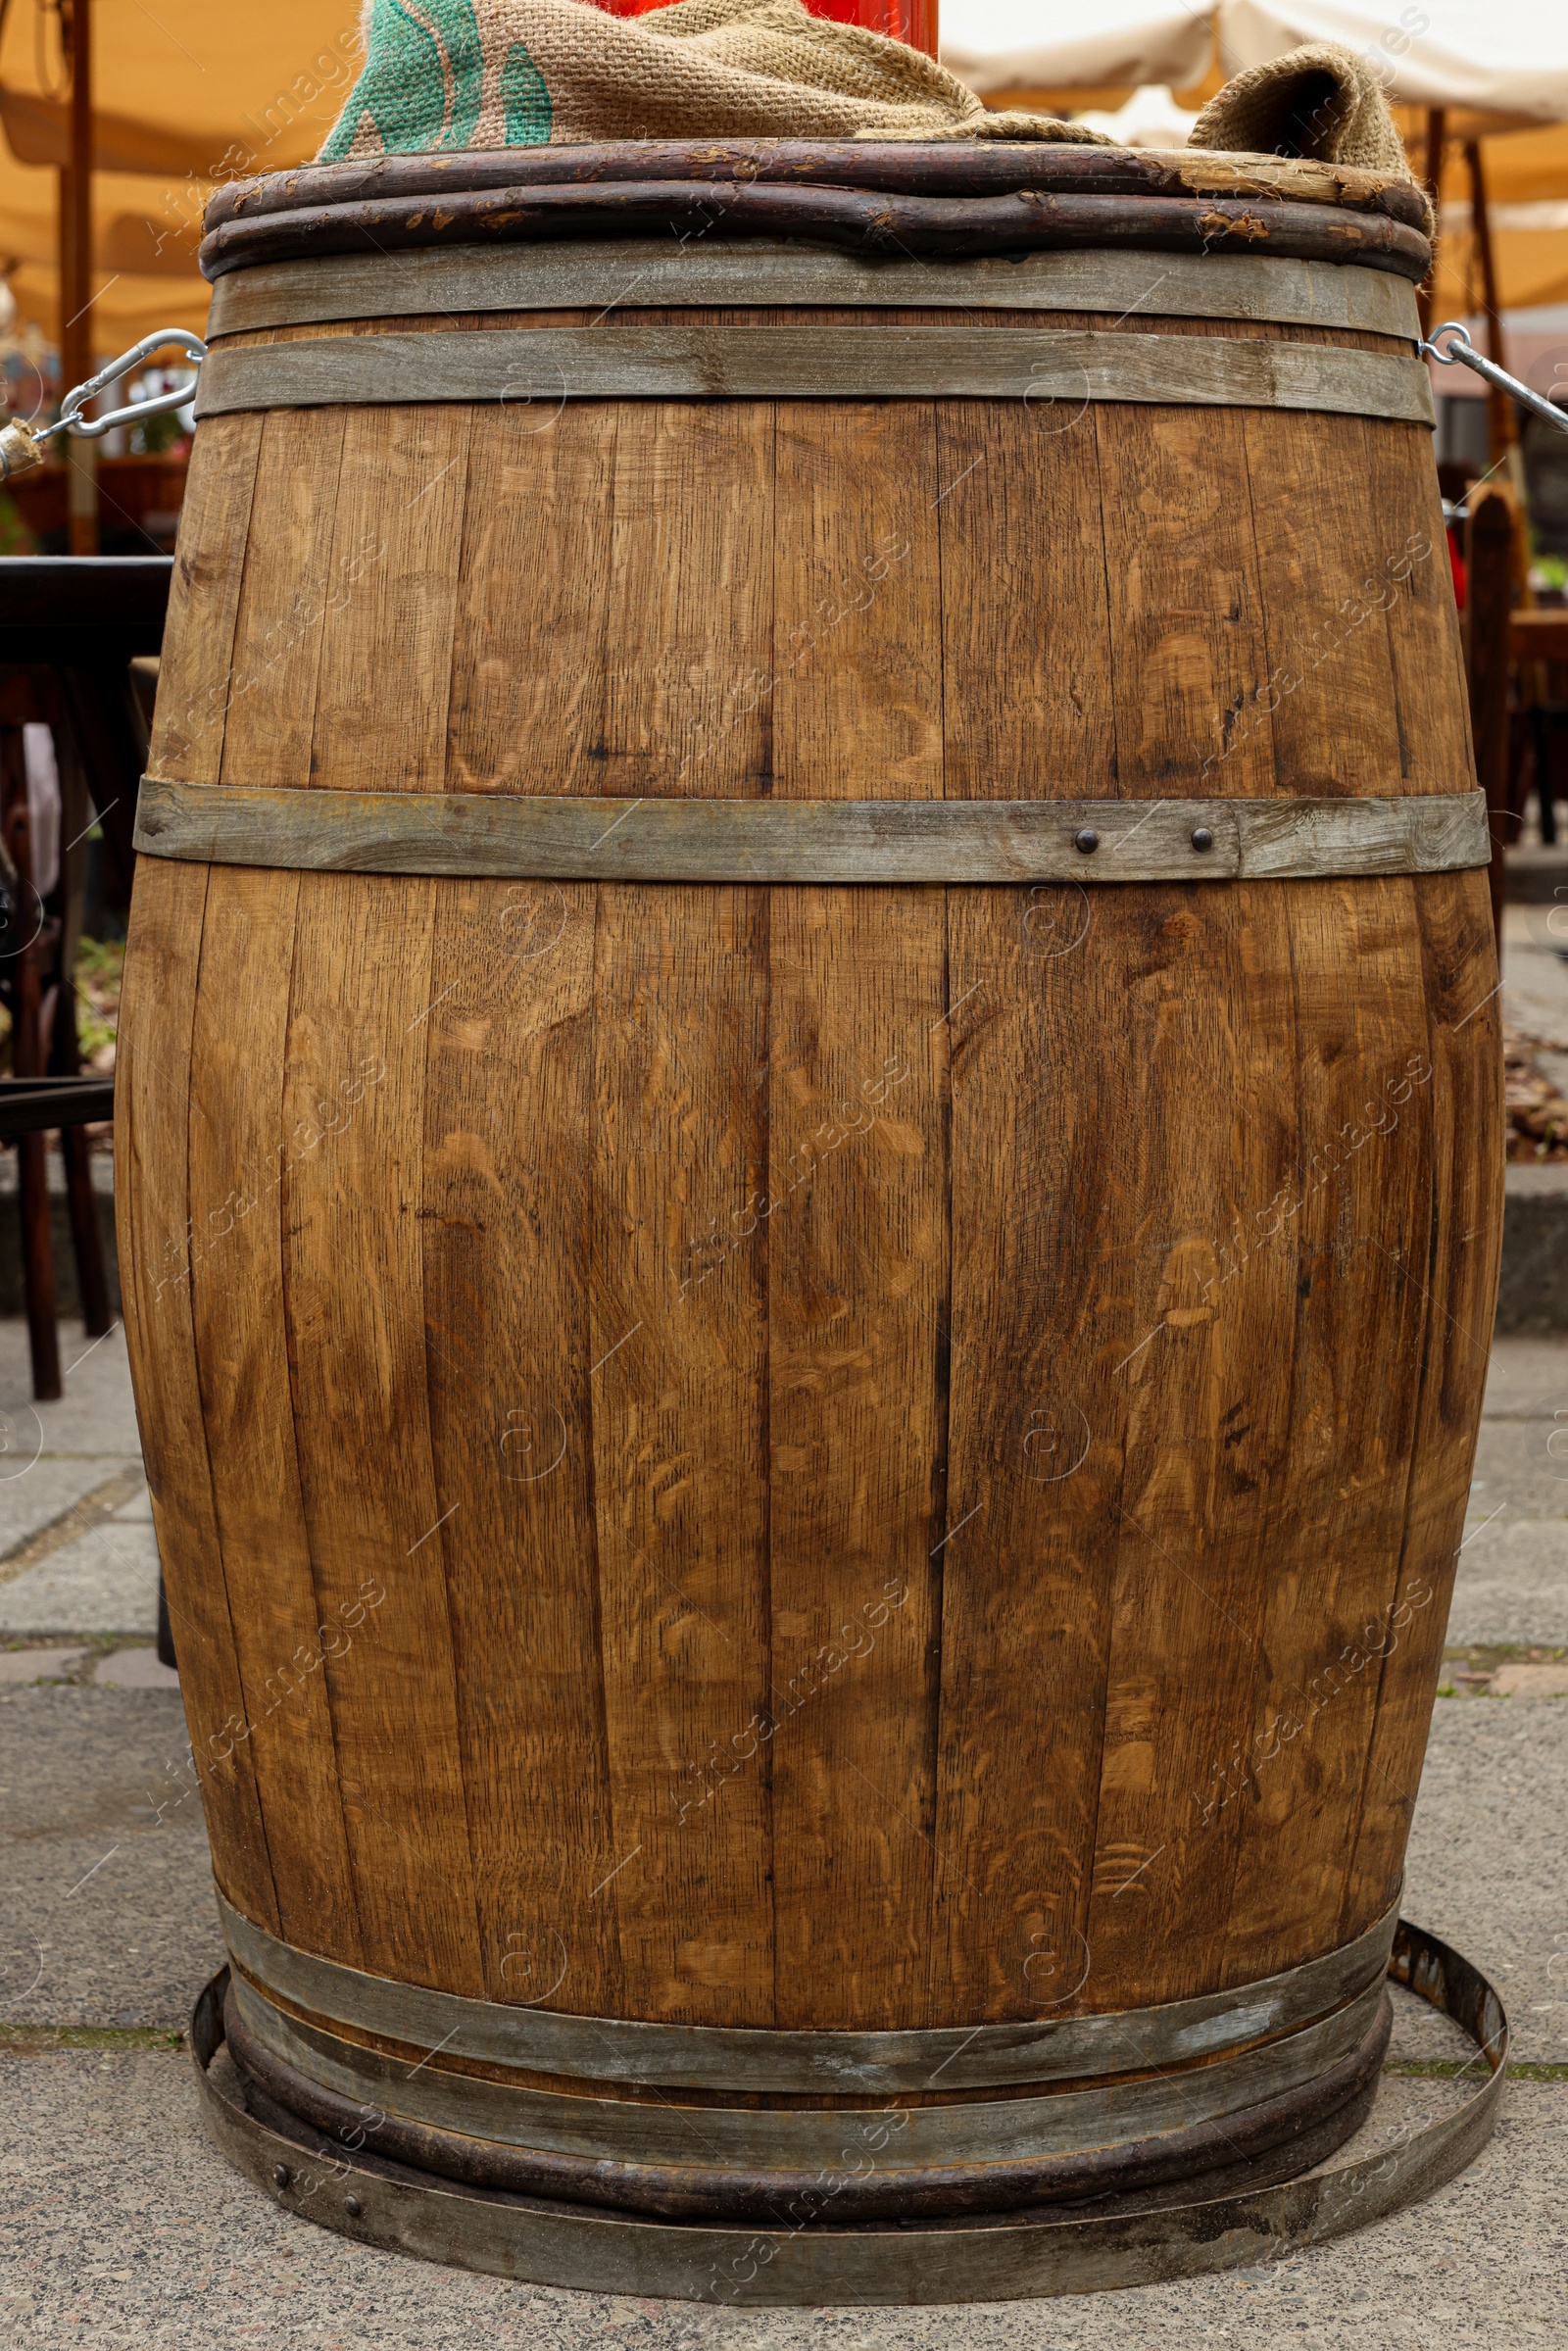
[37, 1487]
[1511, 1585]
[1485, 1860]
[37, 1665]
[95, 1415]
[104, 1581]
[107, 1913]
[1527, 1377]
[1523, 1466]
[1535, 973]
[124, 2228]
[134, 1669]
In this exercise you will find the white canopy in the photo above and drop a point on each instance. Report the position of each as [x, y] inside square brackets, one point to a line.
[1049, 46]
[1493, 55]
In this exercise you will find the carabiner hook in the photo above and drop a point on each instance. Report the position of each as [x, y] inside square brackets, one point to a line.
[22, 448]
[1464, 350]
[92, 428]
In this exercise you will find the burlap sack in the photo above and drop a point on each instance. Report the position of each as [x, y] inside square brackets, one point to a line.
[452, 74]
[445, 74]
[1322, 102]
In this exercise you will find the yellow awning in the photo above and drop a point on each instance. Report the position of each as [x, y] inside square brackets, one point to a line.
[187, 95]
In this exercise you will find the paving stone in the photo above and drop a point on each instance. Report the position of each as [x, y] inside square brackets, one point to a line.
[104, 1581]
[1531, 1681]
[134, 1669]
[37, 1665]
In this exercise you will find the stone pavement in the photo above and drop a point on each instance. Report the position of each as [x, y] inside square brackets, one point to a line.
[120, 2228]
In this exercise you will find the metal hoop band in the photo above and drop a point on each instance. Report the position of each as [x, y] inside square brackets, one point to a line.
[748, 2059]
[636, 272]
[885, 842]
[1205, 2228]
[1044, 366]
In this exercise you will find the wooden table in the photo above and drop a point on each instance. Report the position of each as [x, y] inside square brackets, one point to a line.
[1539, 636]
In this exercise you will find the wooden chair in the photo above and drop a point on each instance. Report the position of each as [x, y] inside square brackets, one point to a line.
[71, 626]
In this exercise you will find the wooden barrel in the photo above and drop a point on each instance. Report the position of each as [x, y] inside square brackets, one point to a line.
[809, 1163]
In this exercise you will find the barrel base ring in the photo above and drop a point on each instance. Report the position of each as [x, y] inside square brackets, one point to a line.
[1184, 2229]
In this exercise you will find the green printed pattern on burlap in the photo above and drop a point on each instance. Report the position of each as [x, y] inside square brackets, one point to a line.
[423, 82]
[526, 99]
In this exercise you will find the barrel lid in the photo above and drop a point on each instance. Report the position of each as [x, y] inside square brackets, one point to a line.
[953, 197]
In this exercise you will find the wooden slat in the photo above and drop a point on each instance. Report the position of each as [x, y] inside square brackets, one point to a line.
[544, 837]
[1422, 623]
[1206, 1374]
[857, 1243]
[354, 1081]
[503, 1216]
[290, 588]
[622, 271]
[530, 656]
[813, 362]
[1187, 629]
[1006, 614]
[1455, 1265]
[282, 1638]
[386, 648]
[1332, 569]
[1357, 1202]
[690, 600]
[677, 1393]
[1035, 1415]
[677, 1382]
[158, 1249]
[194, 678]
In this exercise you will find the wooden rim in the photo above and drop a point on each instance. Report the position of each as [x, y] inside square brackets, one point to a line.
[1059, 374]
[906, 167]
[863, 220]
[546, 837]
[753, 2058]
[619, 272]
[392, 2205]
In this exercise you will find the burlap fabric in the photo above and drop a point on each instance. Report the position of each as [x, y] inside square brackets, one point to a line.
[1323, 101]
[448, 74]
[445, 75]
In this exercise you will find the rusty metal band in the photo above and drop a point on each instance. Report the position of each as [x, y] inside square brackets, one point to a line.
[538, 369]
[756, 2058]
[636, 272]
[706, 2178]
[548, 837]
[713, 2139]
[795, 2262]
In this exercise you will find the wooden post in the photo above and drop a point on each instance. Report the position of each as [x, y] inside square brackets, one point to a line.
[1500, 409]
[1489, 597]
[1436, 121]
[76, 274]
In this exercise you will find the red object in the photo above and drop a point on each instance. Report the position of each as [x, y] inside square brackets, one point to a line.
[911, 21]
[1457, 566]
